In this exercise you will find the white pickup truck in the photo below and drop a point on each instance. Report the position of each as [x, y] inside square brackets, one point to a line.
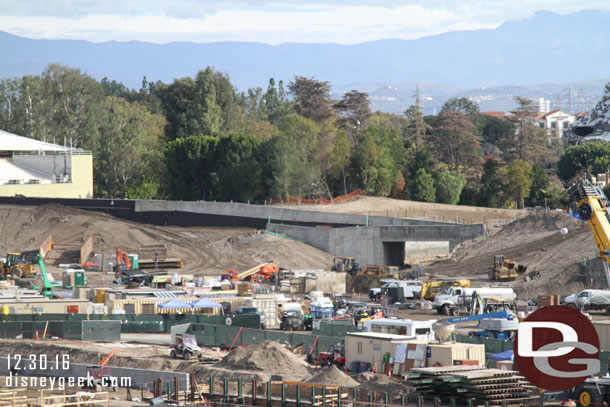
[460, 297]
[589, 300]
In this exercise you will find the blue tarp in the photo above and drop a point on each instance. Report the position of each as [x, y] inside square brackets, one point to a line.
[174, 303]
[205, 303]
[506, 355]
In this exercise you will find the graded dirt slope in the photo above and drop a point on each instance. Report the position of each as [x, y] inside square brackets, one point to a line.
[535, 241]
[204, 250]
[398, 208]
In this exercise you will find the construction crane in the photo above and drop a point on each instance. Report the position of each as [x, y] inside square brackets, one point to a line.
[592, 206]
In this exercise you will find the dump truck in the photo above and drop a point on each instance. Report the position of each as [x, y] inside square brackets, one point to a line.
[458, 299]
[503, 269]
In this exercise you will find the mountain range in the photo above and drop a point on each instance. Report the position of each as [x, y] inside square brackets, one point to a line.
[543, 56]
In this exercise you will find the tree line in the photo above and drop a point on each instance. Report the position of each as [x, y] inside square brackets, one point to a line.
[199, 138]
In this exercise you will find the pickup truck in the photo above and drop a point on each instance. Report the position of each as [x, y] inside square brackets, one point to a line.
[589, 300]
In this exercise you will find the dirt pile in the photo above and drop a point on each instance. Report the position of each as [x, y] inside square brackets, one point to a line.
[267, 356]
[361, 283]
[381, 383]
[370, 205]
[204, 250]
[535, 241]
[334, 377]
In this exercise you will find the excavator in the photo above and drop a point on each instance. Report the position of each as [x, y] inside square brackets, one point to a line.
[430, 288]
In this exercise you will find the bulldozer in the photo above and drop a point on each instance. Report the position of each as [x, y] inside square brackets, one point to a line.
[505, 270]
[16, 266]
[346, 264]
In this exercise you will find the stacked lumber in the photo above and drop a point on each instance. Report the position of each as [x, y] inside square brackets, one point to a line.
[493, 386]
[150, 264]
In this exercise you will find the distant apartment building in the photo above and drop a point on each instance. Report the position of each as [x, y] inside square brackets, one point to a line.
[544, 106]
[556, 122]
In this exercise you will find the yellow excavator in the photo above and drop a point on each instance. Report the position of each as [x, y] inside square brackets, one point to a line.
[592, 206]
[17, 266]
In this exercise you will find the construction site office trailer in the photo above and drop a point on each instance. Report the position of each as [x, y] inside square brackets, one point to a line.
[369, 347]
[46, 306]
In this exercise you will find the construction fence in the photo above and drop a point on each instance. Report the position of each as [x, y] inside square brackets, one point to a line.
[219, 335]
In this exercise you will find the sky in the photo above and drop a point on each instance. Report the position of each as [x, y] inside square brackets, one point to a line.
[271, 22]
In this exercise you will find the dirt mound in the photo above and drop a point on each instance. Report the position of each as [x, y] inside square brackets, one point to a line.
[381, 383]
[534, 241]
[268, 356]
[204, 250]
[334, 377]
[371, 205]
[361, 283]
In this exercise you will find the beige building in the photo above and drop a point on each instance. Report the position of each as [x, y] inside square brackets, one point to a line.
[33, 168]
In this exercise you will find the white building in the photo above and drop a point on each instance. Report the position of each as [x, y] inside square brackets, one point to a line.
[556, 122]
[544, 106]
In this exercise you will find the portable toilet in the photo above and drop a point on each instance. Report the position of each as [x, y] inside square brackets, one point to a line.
[135, 261]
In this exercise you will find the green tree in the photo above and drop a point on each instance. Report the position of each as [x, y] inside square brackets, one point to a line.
[529, 143]
[422, 187]
[454, 142]
[354, 113]
[127, 150]
[190, 106]
[590, 157]
[191, 163]
[491, 185]
[449, 185]
[311, 98]
[494, 129]
[540, 186]
[519, 181]
[416, 127]
[239, 169]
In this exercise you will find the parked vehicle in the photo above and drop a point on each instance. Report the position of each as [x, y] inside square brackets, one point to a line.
[251, 311]
[589, 300]
[410, 288]
[293, 318]
[184, 347]
[458, 297]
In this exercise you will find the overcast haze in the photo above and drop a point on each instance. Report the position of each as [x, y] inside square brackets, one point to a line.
[310, 21]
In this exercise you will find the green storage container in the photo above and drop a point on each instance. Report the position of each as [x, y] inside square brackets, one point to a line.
[135, 261]
[79, 278]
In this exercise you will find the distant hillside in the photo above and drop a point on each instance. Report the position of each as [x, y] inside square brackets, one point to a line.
[547, 48]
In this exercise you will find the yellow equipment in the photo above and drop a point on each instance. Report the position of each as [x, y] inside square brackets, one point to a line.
[16, 266]
[430, 288]
[592, 208]
[374, 270]
[505, 270]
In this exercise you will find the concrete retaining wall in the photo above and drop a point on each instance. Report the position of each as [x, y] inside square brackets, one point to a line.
[139, 377]
[384, 245]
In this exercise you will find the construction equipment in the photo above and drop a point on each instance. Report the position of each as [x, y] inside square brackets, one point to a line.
[498, 325]
[374, 270]
[121, 256]
[99, 376]
[47, 288]
[334, 356]
[17, 266]
[185, 346]
[459, 299]
[592, 206]
[430, 288]
[503, 269]
[346, 264]
[265, 271]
